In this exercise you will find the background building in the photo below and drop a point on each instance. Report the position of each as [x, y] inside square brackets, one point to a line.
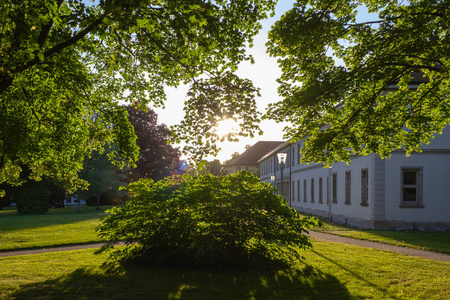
[249, 159]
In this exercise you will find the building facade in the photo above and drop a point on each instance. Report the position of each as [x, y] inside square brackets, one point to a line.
[400, 193]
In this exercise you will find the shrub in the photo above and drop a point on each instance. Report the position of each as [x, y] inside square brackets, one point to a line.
[32, 198]
[228, 221]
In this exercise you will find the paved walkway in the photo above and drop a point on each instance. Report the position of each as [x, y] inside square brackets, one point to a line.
[51, 249]
[313, 234]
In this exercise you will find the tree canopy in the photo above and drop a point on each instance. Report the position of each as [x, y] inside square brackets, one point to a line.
[66, 64]
[336, 70]
[157, 159]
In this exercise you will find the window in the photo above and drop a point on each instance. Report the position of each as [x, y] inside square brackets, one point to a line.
[304, 190]
[348, 187]
[320, 191]
[298, 190]
[288, 159]
[293, 191]
[328, 189]
[334, 188]
[298, 153]
[312, 190]
[364, 187]
[411, 192]
[293, 156]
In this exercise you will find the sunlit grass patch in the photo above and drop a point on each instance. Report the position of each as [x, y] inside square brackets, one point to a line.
[62, 226]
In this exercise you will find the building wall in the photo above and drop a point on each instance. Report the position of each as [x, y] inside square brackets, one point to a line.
[383, 209]
[435, 187]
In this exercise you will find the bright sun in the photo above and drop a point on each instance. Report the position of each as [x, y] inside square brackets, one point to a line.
[225, 127]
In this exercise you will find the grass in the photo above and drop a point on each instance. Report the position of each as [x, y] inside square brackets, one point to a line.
[330, 271]
[62, 226]
[65, 226]
[430, 241]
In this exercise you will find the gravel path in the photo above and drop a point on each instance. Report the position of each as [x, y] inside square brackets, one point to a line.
[312, 234]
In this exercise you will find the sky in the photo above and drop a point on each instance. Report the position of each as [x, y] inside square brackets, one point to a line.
[264, 73]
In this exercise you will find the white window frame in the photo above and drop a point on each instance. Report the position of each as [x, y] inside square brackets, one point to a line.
[418, 202]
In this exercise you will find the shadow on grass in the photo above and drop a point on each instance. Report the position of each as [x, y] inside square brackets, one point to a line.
[359, 277]
[134, 282]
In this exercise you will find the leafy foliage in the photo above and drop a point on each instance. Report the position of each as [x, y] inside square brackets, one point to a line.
[213, 167]
[157, 159]
[101, 175]
[66, 64]
[329, 58]
[206, 221]
[32, 198]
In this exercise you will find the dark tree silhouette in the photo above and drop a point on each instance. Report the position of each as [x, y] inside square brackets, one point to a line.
[157, 159]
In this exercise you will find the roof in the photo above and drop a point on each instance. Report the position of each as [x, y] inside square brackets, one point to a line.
[274, 150]
[254, 153]
[417, 78]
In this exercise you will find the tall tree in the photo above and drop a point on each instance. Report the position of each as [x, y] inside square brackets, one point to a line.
[101, 175]
[329, 58]
[65, 64]
[157, 159]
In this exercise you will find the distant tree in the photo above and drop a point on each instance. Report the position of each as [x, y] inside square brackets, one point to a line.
[7, 199]
[328, 57]
[101, 175]
[215, 168]
[234, 155]
[157, 159]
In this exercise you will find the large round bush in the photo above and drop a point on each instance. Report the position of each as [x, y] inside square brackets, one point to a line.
[206, 221]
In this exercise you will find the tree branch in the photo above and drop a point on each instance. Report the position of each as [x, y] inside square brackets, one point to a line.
[46, 28]
[168, 52]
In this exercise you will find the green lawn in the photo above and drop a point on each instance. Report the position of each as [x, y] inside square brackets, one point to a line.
[330, 271]
[65, 226]
[431, 241]
[62, 226]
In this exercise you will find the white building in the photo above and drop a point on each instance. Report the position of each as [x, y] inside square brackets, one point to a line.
[397, 193]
